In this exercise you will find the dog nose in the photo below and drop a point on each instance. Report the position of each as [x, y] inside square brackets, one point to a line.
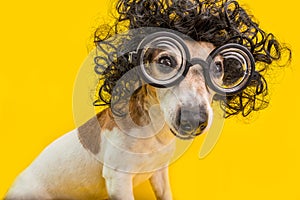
[192, 120]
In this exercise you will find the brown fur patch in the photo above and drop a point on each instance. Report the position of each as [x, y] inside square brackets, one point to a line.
[89, 133]
[139, 105]
[106, 120]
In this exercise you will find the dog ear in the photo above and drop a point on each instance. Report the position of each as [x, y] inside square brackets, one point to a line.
[89, 135]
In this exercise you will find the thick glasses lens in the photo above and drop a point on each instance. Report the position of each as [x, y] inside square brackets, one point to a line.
[162, 59]
[230, 68]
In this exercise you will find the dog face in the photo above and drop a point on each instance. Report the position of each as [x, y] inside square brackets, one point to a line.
[187, 105]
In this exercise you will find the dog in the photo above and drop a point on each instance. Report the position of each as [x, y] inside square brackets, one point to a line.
[110, 154]
[66, 169]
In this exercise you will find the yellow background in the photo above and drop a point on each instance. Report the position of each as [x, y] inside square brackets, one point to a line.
[43, 44]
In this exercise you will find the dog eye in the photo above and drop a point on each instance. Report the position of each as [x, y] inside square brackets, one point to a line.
[166, 64]
[217, 69]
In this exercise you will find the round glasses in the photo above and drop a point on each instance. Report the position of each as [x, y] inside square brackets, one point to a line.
[163, 60]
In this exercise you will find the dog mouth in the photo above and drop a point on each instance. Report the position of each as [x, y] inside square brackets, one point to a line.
[184, 135]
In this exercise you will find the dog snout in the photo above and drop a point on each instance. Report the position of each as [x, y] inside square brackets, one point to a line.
[192, 120]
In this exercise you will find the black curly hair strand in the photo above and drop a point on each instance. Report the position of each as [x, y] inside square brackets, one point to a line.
[215, 21]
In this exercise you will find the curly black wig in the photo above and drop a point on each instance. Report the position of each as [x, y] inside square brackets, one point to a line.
[215, 21]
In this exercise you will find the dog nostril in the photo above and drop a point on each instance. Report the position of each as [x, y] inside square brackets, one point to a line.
[178, 118]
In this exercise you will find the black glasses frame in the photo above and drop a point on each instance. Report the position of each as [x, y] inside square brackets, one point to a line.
[136, 58]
